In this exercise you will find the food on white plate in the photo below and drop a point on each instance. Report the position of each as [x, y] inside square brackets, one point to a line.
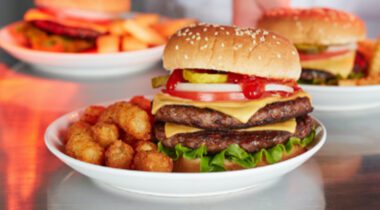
[90, 26]
[231, 100]
[326, 40]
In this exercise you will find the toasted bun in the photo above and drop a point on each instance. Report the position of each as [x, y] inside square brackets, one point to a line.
[185, 165]
[232, 49]
[101, 6]
[314, 26]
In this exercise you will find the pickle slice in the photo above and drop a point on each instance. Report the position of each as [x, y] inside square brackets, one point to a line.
[159, 81]
[310, 49]
[195, 77]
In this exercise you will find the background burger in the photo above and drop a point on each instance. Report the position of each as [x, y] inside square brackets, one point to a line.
[325, 39]
[68, 25]
[231, 100]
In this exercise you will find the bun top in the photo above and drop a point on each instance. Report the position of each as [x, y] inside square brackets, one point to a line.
[231, 49]
[101, 6]
[314, 26]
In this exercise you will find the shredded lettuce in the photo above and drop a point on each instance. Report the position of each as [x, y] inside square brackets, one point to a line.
[234, 153]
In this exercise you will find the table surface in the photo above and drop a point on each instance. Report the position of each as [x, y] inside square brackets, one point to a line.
[345, 174]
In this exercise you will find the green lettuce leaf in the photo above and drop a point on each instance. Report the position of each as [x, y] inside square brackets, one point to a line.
[234, 153]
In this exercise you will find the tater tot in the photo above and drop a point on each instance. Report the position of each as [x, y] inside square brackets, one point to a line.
[144, 146]
[119, 155]
[131, 118]
[91, 114]
[105, 133]
[91, 152]
[134, 121]
[80, 128]
[152, 161]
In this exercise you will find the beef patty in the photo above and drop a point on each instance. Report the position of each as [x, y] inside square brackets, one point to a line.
[216, 141]
[210, 119]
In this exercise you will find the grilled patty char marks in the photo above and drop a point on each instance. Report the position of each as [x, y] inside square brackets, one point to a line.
[210, 119]
[216, 141]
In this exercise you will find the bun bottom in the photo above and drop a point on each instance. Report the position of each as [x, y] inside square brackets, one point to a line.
[188, 166]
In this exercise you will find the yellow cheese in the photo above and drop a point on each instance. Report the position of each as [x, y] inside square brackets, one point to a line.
[241, 110]
[341, 65]
[172, 129]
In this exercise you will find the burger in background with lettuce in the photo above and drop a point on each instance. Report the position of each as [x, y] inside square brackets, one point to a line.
[231, 100]
[325, 39]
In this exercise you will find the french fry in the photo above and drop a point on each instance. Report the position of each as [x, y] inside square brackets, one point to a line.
[169, 27]
[116, 28]
[143, 33]
[366, 47]
[374, 66]
[130, 43]
[108, 44]
[146, 19]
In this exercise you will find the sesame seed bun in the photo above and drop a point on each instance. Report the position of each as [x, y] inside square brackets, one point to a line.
[231, 49]
[314, 26]
[101, 6]
[186, 165]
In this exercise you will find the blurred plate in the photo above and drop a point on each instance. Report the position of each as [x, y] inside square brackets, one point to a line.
[335, 98]
[82, 65]
[177, 184]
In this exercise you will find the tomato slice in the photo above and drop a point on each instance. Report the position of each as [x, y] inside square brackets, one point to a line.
[323, 55]
[207, 96]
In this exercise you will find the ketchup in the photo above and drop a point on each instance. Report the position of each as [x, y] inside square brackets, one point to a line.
[174, 78]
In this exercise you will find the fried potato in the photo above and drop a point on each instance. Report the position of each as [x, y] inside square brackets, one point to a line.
[144, 146]
[90, 152]
[132, 119]
[142, 102]
[374, 66]
[146, 19]
[119, 155]
[81, 130]
[105, 133]
[116, 28]
[91, 114]
[366, 47]
[108, 43]
[152, 161]
[130, 43]
[143, 33]
[169, 27]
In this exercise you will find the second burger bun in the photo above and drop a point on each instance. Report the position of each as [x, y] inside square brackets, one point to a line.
[185, 165]
[231, 49]
[314, 26]
[99, 6]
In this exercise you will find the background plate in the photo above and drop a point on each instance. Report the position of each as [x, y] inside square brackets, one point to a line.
[82, 65]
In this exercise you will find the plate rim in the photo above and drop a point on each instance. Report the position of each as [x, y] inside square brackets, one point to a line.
[51, 142]
[341, 89]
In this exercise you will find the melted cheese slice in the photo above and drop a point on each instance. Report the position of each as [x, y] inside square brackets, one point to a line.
[172, 129]
[341, 65]
[241, 110]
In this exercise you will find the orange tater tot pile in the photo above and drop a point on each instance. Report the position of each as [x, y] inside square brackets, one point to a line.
[117, 136]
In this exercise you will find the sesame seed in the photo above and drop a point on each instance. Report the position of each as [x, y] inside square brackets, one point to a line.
[278, 55]
[206, 38]
[294, 52]
[265, 33]
[262, 39]
[222, 44]
[186, 57]
[198, 38]
[191, 42]
[220, 57]
[259, 57]
[278, 43]
[222, 28]
[227, 33]
[187, 39]
[204, 29]
[274, 37]
[176, 47]
[216, 33]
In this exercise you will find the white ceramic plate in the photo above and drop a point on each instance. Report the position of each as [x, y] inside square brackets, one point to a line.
[82, 65]
[334, 98]
[177, 184]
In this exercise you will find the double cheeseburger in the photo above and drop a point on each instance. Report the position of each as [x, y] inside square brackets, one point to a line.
[231, 100]
[325, 39]
[68, 25]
